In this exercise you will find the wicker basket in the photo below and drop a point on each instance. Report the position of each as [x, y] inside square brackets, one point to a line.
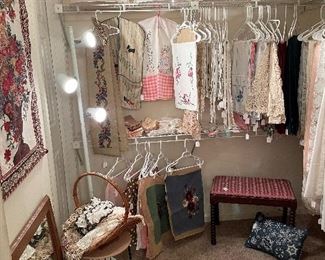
[128, 222]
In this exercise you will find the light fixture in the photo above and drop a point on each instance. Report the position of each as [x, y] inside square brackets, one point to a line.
[88, 40]
[99, 114]
[68, 84]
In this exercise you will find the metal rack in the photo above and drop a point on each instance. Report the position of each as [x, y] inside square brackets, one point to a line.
[152, 6]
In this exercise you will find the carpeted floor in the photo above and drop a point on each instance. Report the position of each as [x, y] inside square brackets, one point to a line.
[231, 236]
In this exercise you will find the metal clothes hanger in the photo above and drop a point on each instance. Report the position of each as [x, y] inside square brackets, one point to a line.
[185, 155]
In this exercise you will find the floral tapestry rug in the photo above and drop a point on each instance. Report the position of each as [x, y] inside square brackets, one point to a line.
[21, 144]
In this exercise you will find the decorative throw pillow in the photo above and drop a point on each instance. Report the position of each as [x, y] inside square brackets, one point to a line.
[277, 239]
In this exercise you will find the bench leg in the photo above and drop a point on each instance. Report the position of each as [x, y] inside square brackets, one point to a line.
[284, 215]
[213, 224]
[292, 217]
[129, 253]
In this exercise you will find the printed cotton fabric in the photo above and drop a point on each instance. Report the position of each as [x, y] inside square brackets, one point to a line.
[158, 81]
[185, 78]
[185, 199]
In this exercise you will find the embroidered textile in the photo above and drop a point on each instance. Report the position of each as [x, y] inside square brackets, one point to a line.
[158, 82]
[185, 78]
[240, 74]
[108, 137]
[128, 52]
[21, 142]
[185, 199]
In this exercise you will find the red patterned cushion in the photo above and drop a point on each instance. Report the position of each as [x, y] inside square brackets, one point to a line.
[252, 187]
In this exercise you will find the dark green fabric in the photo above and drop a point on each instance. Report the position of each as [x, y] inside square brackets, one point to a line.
[158, 210]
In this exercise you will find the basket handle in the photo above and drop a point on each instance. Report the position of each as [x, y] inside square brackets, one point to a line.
[108, 180]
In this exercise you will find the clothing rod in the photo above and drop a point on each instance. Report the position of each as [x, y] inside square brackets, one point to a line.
[89, 7]
[142, 141]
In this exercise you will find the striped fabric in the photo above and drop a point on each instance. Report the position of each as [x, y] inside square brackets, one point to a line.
[278, 189]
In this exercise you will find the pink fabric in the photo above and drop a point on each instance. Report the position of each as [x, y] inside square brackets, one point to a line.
[111, 193]
[252, 187]
[158, 87]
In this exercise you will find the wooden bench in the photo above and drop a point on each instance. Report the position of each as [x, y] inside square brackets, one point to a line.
[251, 190]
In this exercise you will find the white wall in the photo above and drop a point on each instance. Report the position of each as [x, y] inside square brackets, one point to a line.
[281, 159]
[40, 182]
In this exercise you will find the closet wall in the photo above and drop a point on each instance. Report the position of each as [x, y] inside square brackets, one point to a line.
[17, 209]
[233, 156]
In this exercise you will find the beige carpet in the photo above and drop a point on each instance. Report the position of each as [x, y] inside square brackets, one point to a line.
[231, 236]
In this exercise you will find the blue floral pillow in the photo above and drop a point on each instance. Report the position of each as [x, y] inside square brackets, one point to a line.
[276, 239]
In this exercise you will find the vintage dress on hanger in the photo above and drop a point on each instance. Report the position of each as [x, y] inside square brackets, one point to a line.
[291, 85]
[158, 81]
[313, 185]
[257, 100]
[275, 110]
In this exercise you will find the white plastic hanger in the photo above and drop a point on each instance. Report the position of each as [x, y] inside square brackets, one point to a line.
[118, 161]
[248, 24]
[111, 29]
[161, 157]
[185, 25]
[308, 33]
[148, 161]
[137, 158]
[294, 21]
[185, 155]
[319, 33]
[275, 24]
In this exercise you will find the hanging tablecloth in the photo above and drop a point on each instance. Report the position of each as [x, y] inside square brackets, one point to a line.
[185, 78]
[108, 137]
[158, 81]
[128, 51]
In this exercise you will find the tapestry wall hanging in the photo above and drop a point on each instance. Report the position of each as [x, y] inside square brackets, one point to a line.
[108, 137]
[21, 143]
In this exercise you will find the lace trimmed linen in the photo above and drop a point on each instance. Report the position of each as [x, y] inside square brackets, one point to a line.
[158, 82]
[275, 111]
[240, 74]
[191, 124]
[185, 77]
[76, 245]
[257, 100]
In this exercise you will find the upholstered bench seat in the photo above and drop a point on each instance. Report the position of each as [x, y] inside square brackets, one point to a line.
[251, 190]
